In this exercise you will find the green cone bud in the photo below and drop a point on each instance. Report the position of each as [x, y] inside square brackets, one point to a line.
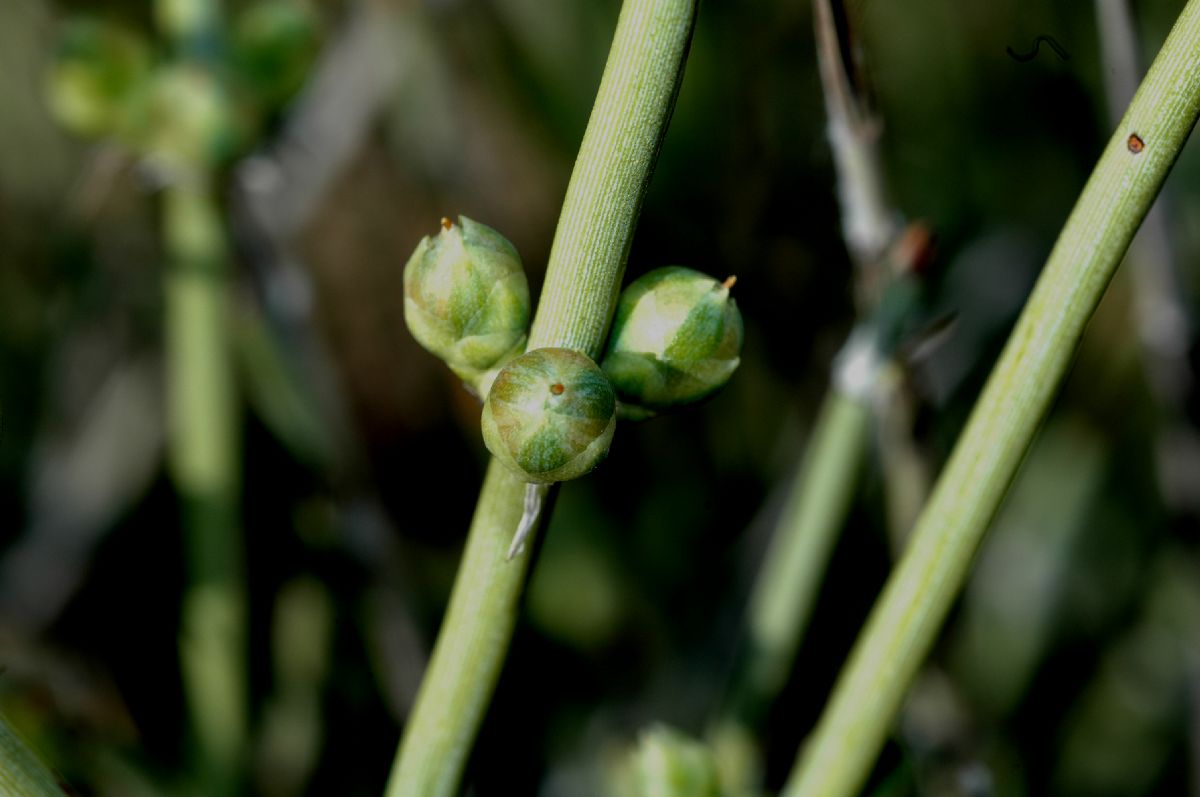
[550, 415]
[676, 338]
[466, 298]
[98, 70]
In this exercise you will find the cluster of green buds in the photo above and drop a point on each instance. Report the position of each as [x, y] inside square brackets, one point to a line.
[549, 414]
[194, 106]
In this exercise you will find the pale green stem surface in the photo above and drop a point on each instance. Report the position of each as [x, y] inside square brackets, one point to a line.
[21, 773]
[612, 171]
[604, 197]
[837, 759]
[203, 450]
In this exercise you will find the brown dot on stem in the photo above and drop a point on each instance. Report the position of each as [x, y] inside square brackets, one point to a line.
[1135, 143]
[446, 223]
[557, 388]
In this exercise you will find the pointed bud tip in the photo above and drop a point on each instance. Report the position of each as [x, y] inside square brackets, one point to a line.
[447, 224]
[729, 282]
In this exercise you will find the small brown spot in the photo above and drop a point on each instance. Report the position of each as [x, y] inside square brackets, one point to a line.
[1135, 143]
[557, 388]
[446, 223]
[729, 282]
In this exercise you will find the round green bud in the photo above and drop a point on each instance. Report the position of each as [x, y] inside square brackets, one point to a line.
[466, 298]
[550, 415]
[97, 71]
[676, 338]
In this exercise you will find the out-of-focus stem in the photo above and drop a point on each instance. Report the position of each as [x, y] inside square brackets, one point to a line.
[869, 223]
[906, 471]
[820, 498]
[203, 438]
[794, 566]
[203, 445]
[839, 756]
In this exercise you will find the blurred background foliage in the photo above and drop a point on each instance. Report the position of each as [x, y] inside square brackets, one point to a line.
[1072, 665]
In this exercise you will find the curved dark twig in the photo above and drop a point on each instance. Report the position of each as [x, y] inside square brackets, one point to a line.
[1050, 41]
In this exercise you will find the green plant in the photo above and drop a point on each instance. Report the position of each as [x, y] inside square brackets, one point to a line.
[1123, 185]
[612, 171]
[184, 113]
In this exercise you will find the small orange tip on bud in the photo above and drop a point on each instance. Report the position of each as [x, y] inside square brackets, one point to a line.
[557, 388]
[729, 282]
[446, 223]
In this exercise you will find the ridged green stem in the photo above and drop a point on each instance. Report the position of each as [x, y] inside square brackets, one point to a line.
[838, 757]
[604, 197]
[612, 171]
[21, 773]
[203, 448]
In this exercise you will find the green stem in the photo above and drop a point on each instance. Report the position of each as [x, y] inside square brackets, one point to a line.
[203, 449]
[612, 171]
[21, 773]
[839, 756]
[795, 562]
[604, 197]
[203, 440]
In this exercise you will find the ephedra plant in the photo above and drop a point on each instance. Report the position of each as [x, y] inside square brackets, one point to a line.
[838, 758]
[557, 385]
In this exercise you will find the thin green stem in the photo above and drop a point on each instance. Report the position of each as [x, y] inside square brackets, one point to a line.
[203, 439]
[203, 449]
[839, 756]
[21, 773]
[794, 565]
[604, 197]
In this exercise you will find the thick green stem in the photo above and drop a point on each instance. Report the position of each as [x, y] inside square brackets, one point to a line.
[612, 171]
[620, 147]
[21, 773]
[839, 756]
[203, 446]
